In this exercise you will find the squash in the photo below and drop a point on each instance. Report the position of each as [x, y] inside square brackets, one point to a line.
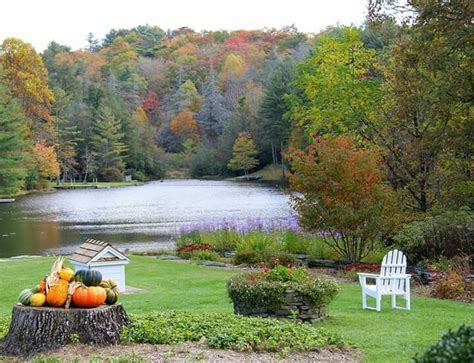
[112, 296]
[89, 277]
[108, 284]
[57, 293]
[24, 297]
[89, 296]
[37, 299]
[36, 289]
[66, 274]
[110, 287]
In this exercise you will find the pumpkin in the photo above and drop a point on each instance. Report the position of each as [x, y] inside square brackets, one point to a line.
[89, 277]
[24, 297]
[37, 299]
[89, 296]
[66, 274]
[57, 293]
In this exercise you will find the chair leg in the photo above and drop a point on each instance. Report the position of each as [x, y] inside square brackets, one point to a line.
[364, 300]
[377, 302]
[407, 295]
[394, 301]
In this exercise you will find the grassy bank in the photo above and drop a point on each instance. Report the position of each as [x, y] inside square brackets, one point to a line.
[388, 336]
[94, 185]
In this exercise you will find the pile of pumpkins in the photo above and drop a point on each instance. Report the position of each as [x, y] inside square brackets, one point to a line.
[63, 288]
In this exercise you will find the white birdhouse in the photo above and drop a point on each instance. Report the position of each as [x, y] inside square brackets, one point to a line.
[103, 257]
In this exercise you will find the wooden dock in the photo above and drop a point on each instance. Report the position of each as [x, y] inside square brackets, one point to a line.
[7, 200]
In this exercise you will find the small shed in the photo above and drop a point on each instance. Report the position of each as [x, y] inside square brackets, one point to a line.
[103, 257]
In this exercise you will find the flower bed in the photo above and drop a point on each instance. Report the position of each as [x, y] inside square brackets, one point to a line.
[282, 292]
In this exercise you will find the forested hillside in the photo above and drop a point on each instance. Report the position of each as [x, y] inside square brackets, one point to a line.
[144, 101]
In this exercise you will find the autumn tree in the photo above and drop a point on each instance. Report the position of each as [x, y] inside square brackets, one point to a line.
[185, 126]
[13, 144]
[244, 154]
[27, 78]
[340, 194]
[107, 146]
[46, 160]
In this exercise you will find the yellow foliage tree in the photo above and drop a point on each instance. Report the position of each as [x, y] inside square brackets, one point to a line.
[27, 77]
[46, 160]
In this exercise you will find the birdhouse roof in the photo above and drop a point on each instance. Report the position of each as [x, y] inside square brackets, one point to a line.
[94, 251]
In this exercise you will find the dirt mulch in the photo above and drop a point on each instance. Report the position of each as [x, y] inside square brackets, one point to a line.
[186, 352]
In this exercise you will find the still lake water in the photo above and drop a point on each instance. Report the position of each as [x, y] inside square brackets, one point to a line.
[139, 218]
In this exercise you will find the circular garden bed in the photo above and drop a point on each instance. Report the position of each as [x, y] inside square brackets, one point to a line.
[282, 292]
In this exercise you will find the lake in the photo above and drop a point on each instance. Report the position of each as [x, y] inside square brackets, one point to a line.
[139, 218]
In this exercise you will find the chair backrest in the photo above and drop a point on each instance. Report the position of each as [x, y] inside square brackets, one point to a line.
[393, 263]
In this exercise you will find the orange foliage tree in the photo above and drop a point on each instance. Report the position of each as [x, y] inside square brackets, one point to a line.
[185, 126]
[341, 194]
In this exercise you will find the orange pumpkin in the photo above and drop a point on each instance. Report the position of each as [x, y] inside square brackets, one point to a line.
[57, 293]
[89, 296]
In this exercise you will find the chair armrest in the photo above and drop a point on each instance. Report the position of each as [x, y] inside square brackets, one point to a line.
[373, 276]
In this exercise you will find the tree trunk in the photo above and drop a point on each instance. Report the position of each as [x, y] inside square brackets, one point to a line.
[34, 330]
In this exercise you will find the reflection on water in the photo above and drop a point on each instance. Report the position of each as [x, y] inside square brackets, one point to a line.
[134, 217]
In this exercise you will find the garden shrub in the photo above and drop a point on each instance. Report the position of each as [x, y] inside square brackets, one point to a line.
[205, 255]
[295, 243]
[453, 347]
[449, 285]
[187, 250]
[247, 257]
[4, 325]
[266, 288]
[227, 331]
[448, 234]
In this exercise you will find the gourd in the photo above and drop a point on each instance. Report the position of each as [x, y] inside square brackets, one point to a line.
[89, 296]
[42, 286]
[89, 277]
[57, 293]
[37, 299]
[112, 296]
[66, 274]
[24, 297]
[110, 287]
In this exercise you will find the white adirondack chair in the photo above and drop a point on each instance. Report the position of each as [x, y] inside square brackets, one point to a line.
[392, 281]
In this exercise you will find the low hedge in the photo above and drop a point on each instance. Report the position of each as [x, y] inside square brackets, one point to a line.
[266, 288]
[227, 331]
[453, 347]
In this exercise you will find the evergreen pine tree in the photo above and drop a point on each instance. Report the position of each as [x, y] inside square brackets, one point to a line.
[13, 144]
[275, 126]
[107, 145]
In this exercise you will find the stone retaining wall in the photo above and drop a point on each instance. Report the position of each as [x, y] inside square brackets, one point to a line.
[294, 306]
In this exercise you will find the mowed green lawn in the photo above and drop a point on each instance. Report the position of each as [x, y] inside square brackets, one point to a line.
[387, 336]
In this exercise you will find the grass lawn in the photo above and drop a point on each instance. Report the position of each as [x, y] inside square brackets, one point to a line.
[388, 336]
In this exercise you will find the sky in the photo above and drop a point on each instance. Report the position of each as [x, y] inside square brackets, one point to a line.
[69, 21]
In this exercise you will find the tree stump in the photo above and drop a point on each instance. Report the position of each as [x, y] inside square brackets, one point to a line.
[34, 330]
